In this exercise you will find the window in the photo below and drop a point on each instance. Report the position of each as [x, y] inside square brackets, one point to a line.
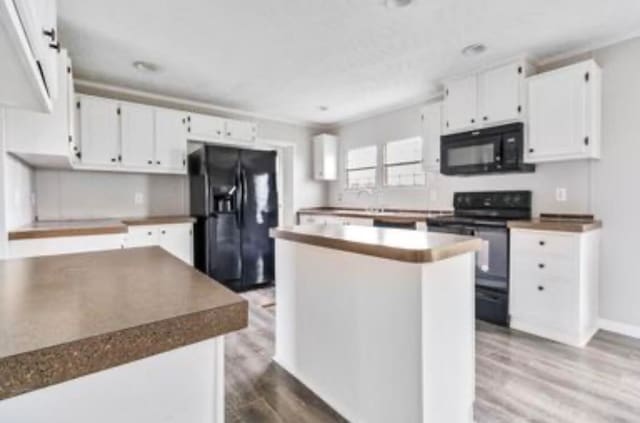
[403, 163]
[361, 167]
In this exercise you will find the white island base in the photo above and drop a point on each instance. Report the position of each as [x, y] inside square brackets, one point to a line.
[178, 386]
[379, 340]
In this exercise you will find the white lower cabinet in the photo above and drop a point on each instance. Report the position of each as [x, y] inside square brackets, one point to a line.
[554, 284]
[21, 248]
[321, 219]
[176, 238]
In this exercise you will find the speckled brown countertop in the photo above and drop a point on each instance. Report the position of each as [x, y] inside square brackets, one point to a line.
[558, 222]
[65, 316]
[390, 215]
[59, 228]
[395, 244]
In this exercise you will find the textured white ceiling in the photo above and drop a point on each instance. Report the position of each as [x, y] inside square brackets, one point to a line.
[287, 57]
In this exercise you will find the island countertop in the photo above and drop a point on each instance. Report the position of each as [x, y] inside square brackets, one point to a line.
[66, 316]
[395, 244]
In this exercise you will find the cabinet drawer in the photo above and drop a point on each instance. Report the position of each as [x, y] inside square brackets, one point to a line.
[543, 266]
[142, 236]
[541, 243]
[545, 302]
[309, 219]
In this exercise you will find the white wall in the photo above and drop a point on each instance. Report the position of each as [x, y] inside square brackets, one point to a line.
[608, 187]
[65, 194]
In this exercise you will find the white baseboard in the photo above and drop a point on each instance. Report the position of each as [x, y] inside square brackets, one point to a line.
[620, 328]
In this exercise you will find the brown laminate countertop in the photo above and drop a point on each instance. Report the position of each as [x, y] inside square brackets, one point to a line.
[59, 228]
[390, 215]
[557, 223]
[395, 244]
[66, 316]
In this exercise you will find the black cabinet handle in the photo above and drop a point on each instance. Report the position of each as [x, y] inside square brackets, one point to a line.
[541, 265]
[473, 121]
[542, 243]
[163, 232]
[150, 161]
[51, 33]
[149, 233]
[219, 132]
[485, 118]
[540, 288]
[158, 162]
[531, 150]
[55, 46]
[113, 159]
[228, 134]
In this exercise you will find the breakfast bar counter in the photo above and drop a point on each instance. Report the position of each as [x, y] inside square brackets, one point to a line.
[379, 322]
[113, 331]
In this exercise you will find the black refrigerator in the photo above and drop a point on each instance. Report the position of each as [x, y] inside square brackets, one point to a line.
[235, 202]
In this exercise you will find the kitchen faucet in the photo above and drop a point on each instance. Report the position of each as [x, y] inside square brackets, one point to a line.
[376, 199]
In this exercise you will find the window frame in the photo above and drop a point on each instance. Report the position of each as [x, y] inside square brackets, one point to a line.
[420, 161]
[374, 167]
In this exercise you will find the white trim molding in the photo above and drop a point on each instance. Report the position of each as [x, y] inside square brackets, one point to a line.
[619, 328]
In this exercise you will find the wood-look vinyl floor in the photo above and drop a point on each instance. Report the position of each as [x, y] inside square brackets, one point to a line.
[519, 377]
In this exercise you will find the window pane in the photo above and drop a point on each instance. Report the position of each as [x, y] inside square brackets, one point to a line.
[365, 178]
[403, 151]
[405, 175]
[362, 157]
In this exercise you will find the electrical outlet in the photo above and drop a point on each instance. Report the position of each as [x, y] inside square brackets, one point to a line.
[138, 199]
[561, 194]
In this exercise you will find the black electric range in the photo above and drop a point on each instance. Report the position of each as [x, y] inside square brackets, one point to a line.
[485, 215]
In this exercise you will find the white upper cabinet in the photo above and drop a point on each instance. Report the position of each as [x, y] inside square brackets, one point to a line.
[46, 139]
[325, 157]
[501, 94]
[239, 130]
[431, 131]
[565, 114]
[28, 47]
[137, 122]
[204, 127]
[492, 97]
[171, 139]
[99, 131]
[460, 104]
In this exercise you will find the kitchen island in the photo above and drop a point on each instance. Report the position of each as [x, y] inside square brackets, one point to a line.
[126, 335]
[378, 322]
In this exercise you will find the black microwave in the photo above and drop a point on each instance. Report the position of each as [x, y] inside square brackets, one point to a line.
[489, 150]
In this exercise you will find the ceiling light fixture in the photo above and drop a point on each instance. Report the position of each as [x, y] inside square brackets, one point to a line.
[474, 49]
[395, 4]
[145, 66]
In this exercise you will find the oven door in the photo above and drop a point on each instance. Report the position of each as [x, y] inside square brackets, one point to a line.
[471, 155]
[492, 269]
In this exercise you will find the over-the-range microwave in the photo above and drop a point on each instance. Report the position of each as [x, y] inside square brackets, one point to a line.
[488, 150]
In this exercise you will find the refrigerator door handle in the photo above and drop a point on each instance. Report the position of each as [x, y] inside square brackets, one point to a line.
[243, 194]
[238, 199]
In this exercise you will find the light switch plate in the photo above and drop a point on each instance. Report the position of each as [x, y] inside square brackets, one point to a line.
[561, 194]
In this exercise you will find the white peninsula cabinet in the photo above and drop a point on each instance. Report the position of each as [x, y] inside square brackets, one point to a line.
[175, 238]
[492, 97]
[565, 114]
[554, 284]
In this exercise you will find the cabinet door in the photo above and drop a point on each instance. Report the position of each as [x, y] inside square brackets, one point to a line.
[325, 157]
[137, 135]
[557, 114]
[99, 131]
[43, 139]
[500, 94]
[431, 124]
[171, 140]
[142, 236]
[240, 131]
[204, 127]
[178, 240]
[460, 104]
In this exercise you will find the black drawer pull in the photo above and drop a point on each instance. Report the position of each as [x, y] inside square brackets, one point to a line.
[540, 288]
[542, 243]
[541, 265]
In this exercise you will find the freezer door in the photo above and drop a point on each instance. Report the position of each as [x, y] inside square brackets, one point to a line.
[217, 250]
[259, 213]
[222, 167]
